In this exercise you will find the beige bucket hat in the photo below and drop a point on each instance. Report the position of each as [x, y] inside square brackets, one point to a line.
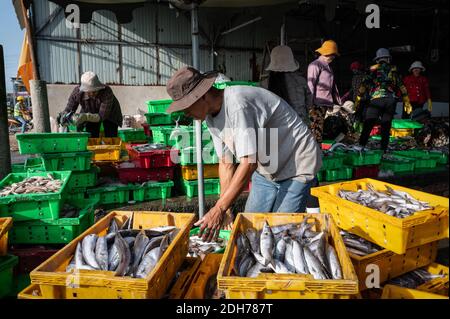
[282, 60]
[90, 82]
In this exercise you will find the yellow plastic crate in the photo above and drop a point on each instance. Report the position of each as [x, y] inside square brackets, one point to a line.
[105, 149]
[5, 226]
[396, 292]
[392, 265]
[285, 286]
[209, 267]
[189, 172]
[31, 292]
[183, 282]
[402, 132]
[392, 233]
[439, 285]
[55, 283]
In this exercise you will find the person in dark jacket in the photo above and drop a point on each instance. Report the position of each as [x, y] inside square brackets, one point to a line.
[286, 81]
[98, 105]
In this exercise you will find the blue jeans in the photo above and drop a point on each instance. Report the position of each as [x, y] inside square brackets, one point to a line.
[22, 120]
[288, 196]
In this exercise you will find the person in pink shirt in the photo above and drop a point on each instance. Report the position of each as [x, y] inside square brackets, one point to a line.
[418, 88]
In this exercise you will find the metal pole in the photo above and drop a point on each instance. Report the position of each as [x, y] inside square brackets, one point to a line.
[198, 123]
[5, 155]
[283, 34]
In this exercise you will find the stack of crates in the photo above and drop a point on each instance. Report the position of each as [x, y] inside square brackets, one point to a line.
[7, 261]
[363, 164]
[407, 244]
[404, 127]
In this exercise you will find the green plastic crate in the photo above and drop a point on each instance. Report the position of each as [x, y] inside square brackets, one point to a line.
[7, 264]
[405, 124]
[211, 187]
[158, 106]
[132, 135]
[332, 160]
[77, 194]
[58, 231]
[152, 191]
[26, 207]
[110, 194]
[31, 163]
[188, 156]
[185, 137]
[83, 179]
[161, 134]
[362, 158]
[399, 166]
[320, 176]
[343, 173]
[37, 143]
[440, 157]
[164, 118]
[20, 282]
[224, 234]
[80, 161]
[422, 159]
[223, 85]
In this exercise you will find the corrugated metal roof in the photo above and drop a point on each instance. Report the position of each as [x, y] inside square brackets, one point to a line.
[103, 59]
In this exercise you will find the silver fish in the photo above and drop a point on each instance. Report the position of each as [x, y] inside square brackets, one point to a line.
[253, 237]
[125, 256]
[246, 263]
[280, 250]
[289, 257]
[88, 248]
[318, 246]
[260, 259]
[113, 257]
[113, 227]
[267, 242]
[299, 259]
[315, 267]
[151, 259]
[101, 253]
[280, 267]
[254, 271]
[138, 249]
[333, 262]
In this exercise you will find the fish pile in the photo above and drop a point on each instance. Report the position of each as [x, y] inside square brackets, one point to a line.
[198, 247]
[415, 278]
[395, 158]
[127, 252]
[287, 249]
[357, 245]
[33, 185]
[142, 148]
[391, 202]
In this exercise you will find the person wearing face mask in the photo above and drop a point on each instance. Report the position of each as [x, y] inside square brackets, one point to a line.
[418, 88]
[98, 106]
[323, 87]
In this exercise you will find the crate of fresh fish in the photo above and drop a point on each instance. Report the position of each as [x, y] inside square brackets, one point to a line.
[7, 264]
[37, 143]
[31, 256]
[99, 263]
[80, 161]
[153, 156]
[198, 247]
[117, 193]
[186, 273]
[158, 106]
[332, 160]
[189, 172]
[343, 173]
[5, 226]
[76, 216]
[286, 256]
[422, 159]
[82, 179]
[368, 171]
[211, 187]
[188, 156]
[430, 282]
[391, 216]
[364, 253]
[204, 282]
[397, 164]
[140, 175]
[105, 149]
[33, 195]
[132, 135]
[152, 190]
[31, 163]
[402, 132]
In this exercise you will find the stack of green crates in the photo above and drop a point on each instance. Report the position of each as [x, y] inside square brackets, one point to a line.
[157, 114]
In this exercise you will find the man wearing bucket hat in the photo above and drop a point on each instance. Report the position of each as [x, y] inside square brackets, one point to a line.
[322, 86]
[418, 87]
[382, 83]
[98, 105]
[273, 145]
[286, 81]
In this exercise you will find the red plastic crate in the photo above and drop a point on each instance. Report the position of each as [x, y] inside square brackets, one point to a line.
[153, 159]
[31, 256]
[147, 130]
[140, 175]
[376, 130]
[129, 146]
[369, 171]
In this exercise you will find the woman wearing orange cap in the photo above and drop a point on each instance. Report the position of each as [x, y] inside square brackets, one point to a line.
[322, 86]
